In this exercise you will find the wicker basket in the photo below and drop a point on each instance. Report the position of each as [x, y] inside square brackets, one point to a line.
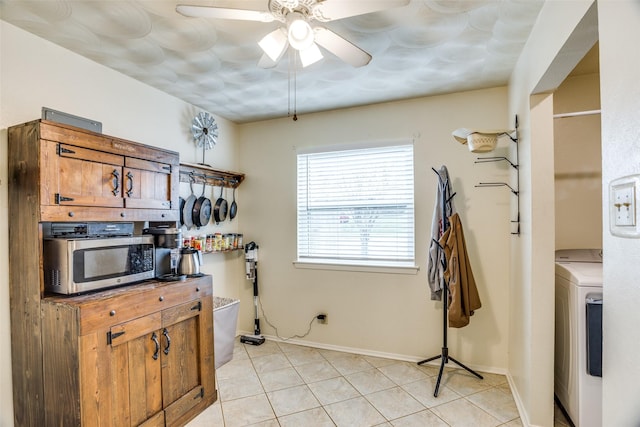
[482, 142]
[478, 141]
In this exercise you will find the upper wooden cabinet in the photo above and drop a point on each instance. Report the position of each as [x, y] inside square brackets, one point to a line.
[147, 184]
[82, 175]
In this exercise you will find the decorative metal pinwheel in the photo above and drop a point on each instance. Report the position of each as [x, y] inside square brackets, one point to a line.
[205, 131]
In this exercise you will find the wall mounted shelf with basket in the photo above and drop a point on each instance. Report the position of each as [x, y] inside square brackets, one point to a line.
[203, 174]
[513, 136]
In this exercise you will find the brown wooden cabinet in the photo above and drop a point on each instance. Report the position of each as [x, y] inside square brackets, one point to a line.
[147, 184]
[86, 176]
[71, 364]
[134, 355]
[77, 176]
[81, 177]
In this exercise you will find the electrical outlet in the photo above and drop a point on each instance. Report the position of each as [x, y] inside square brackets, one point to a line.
[323, 318]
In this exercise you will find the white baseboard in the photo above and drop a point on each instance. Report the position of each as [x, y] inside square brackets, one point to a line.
[519, 405]
[407, 358]
[380, 354]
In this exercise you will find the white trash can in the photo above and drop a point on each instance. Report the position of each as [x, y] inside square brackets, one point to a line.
[225, 320]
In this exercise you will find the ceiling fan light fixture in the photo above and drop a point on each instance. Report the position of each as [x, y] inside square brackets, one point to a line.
[289, 4]
[310, 55]
[274, 44]
[299, 31]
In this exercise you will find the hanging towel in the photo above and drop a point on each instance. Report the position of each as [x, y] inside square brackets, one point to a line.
[463, 293]
[442, 210]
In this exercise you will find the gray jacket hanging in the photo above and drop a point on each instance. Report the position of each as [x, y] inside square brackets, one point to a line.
[442, 210]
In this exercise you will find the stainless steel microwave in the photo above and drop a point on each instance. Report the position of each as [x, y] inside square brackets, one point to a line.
[73, 266]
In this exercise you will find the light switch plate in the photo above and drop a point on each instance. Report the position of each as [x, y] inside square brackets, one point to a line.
[624, 201]
[623, 213]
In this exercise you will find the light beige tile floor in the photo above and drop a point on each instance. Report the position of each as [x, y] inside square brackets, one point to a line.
[282, 385]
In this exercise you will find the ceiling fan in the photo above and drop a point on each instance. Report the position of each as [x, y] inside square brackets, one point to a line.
[299, 30]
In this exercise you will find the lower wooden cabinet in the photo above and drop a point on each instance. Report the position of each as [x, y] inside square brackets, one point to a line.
[129, 357]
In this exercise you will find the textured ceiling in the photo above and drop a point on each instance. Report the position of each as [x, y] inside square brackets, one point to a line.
[426, 48]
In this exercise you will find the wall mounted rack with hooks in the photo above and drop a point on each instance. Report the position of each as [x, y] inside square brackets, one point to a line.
[514, 191]
[202, 174]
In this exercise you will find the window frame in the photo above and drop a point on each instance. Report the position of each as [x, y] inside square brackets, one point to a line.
[377, 266]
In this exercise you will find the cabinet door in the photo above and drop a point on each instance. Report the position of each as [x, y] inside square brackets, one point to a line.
[147, 184]
[182, 362]
[136, 384]
[85, 178]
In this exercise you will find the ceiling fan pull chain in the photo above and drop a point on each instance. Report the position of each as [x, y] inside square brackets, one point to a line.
[292, 84]
[289, 87]
[295, 86]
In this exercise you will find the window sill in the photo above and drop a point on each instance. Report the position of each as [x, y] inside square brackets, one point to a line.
[389, 269]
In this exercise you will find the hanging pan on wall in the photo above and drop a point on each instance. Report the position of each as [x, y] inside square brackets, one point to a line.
[233, 210]
[181, 208]
[220, 208]
[187, 209]
[202, 209]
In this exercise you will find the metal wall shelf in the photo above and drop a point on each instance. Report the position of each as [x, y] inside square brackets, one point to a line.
[203, 174]
[514, 191]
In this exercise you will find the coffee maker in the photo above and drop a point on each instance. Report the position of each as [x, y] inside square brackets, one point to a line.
[168, 243]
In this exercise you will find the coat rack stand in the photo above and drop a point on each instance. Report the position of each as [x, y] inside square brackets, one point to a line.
[444, 355]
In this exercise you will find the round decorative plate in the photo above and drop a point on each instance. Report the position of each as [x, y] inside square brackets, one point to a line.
[204, 130]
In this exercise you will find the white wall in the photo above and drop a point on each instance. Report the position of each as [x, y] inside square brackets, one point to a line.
[35, 73]
[382, 313]
[620, 95]
[375, 312]
[547, 59]
[578, 164]
[392, 313]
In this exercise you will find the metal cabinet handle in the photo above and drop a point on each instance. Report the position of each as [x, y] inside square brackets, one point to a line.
[130, 186]
[154, 338]
[165, 332]
[116, 182]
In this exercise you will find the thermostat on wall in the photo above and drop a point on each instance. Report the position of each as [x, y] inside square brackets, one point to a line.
[623, 213]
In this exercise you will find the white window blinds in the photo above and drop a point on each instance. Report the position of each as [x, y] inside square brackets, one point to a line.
[356, 206]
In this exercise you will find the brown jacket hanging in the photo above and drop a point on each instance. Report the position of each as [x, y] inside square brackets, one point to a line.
[463, 294]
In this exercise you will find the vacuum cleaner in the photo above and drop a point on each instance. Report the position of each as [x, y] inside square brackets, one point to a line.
[251, 269]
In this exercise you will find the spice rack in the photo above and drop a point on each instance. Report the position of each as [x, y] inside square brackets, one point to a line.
[213, 243]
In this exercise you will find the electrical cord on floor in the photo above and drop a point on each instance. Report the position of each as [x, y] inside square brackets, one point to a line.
[264, 316]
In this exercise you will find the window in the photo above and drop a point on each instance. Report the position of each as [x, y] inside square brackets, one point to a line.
[355, 206]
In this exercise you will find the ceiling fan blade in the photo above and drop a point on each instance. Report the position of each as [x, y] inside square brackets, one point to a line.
[193, 11]
[341, 48]
[331, 10]
[266, 62]
[274, 44]
[310, 55]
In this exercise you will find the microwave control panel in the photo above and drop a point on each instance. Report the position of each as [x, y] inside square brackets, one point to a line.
[87, 229]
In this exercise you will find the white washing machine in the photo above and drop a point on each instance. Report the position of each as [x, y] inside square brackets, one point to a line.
[578, 353]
